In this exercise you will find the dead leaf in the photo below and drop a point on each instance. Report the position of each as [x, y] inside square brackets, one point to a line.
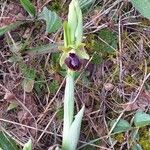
[9, 96]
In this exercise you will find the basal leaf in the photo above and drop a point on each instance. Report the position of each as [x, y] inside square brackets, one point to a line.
[141, 119]
[121, 126]
[29, 7]
[143, 6]
[53, 22]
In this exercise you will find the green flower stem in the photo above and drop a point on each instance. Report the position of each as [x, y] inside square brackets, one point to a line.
[68, 107]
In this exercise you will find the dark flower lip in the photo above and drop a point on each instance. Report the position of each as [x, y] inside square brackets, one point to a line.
[73, 62]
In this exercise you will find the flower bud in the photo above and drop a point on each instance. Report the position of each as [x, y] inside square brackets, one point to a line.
[73, 62]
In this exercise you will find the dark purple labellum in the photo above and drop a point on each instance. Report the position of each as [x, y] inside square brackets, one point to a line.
[73, 62]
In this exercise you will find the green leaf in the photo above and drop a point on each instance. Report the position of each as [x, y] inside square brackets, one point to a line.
[74, 132]
[143, 6]
[28, 85]
[53, 22]
[7, 143]
[43, 49]
[29, 78]
[121, 126]
[29, 7]
[12, 106]
[12, 26]
[28, 145]
[141, 119]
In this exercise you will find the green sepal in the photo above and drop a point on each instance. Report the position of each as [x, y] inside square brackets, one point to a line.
[79, 28]
[67, 39]
[62, 59]
[82, 54]
[72, 21]
[80, 51]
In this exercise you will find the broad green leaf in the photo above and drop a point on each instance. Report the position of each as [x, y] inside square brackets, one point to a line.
[141, 119]
[28, 145]
[29, 7]
[7, 143]
[143, 6]
[10, 27]
[121, 126]
[53, 22]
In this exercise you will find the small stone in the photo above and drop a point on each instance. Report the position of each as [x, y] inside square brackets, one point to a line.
[108, 86]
